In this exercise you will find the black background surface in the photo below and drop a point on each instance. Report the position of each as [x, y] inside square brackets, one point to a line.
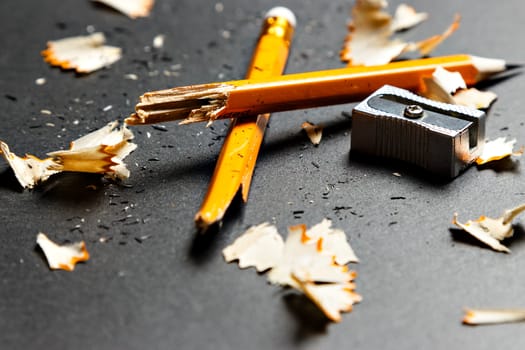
[173, 290]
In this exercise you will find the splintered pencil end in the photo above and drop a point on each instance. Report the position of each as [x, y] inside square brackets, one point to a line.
[202, 226]
[133, 119]
[205, 220]
[188, 104]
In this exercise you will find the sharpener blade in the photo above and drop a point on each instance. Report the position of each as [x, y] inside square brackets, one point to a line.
[439, 137]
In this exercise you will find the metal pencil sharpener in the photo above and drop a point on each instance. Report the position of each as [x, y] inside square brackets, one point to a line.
[438, 137]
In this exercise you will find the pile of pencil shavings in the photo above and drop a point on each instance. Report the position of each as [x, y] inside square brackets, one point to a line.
[369, 41]
[311, 261]
[101, 152]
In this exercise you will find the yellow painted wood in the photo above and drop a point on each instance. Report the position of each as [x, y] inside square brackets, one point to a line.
[237, 159]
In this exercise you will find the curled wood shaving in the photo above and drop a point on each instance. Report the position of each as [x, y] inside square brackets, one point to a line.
[101, 151]
[426, 46]
[29, 170]
[84, 54]
[331, 298]
[498, 149]
[314, 132]
[407, 17]
[450, 87]
[131, 8]
[493, 316]
[261, 246]
[63, 257]
[449, 81]
[491, 231]
[307, 260]
[332, 241]
[370, 42]
[312, 261]
[475, 98]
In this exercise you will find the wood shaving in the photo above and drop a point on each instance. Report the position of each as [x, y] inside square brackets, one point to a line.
[306, 260]
[314, 132]
[407, 17]
[331, 298]
[101, 151]
[29, 170]
[261, 246]
[491, 231]
[498, 149]
[493, 316]
[84, 54]
[62, 257]
[370, 42]
[312, 261]
[426, 46]
[449, 81]
[332, 241]
[131, 8]
[450, 87]
[475, 98]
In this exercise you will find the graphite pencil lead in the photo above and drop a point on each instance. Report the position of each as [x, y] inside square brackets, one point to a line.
[513, 66]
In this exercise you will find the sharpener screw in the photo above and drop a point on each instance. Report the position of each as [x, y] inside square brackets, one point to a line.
[414, 111]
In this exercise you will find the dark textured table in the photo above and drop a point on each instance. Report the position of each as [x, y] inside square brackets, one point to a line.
[154, 283]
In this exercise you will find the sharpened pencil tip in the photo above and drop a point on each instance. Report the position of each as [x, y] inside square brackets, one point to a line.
[513, 66]
[489, 66]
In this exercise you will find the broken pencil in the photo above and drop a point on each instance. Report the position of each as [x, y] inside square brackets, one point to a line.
[236, 161]
[208, 102]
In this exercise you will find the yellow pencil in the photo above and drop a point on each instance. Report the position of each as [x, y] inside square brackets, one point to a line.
[208, 102]
[236, 161]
